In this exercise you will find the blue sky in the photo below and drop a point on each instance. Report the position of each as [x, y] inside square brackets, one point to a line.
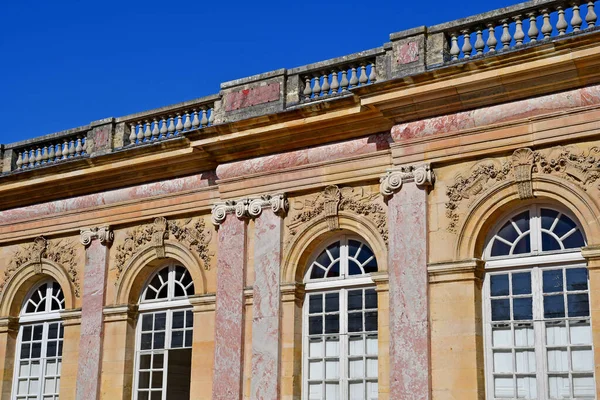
[66, 63]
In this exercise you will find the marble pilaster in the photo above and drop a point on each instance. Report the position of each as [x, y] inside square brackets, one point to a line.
[406, 191]
[96, 241]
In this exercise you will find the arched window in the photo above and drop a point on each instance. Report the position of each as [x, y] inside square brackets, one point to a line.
[340, 322]
[39, 344]
[537, 314]
[164, 336]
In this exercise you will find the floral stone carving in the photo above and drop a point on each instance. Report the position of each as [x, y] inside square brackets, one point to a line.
[577, 166]
[191, 232]
[333, 199]
[61, 251]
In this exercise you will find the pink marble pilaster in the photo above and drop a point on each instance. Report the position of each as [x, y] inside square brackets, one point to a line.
[265, 322]
[407, 263]
[229, 313]
[90, 342]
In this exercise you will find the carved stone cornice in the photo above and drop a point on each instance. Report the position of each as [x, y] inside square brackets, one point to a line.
[292, 292]
[421, 175]
[250, 207]
[102, 233]
[120, 313]
[9, 324]
[591, 252]
[71, 317]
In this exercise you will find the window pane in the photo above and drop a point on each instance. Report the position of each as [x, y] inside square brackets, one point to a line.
[332, 323]
[317, 272]
[177, 339]
[36, 350]
[558, 387]
[159, 340]
[356, 391]
[145, 361]
[581, 332]
[315, 369]
[353, 246]
[356, 346]
[53, 331]
[554, 307]
[355, 301]
[549, 243]
[524, 336]
[564, 226]
[508, 232]
[504, 388]
[501, 310]
[160, 321]
[370, 298]
[332, 347]
[356, 368]
[526, 388]
[144, 378]
[574, 240]
[354, 268]
[334, 270]
[522, 221]
[525, 361]
[332, 302]
[332, 391]
[147, 322]
[157, 378]
[553, 281]
[355, 322]
[558, 360]
[523, 246]
[503, 361]
[583, 386]
[577, 278]
[501, 337]
[323, 259]
[37, 332]
[521, 283]
[556, 334]
[332, 369]
[582, 359]
[315, 325]
[548, 217]
[315, 303]
[334, 250]
[500, 249]
[522, 309]
[371, 321]
[499, 285]
[579, 305]
[315, 347]
[157, 361]
[178, 318]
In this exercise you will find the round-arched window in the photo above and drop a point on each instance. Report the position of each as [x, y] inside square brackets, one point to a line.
[40, 343]
[164, 336]
[538, 335]
[340, 322]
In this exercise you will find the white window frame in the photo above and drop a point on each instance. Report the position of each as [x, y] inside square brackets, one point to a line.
[340, 285]
[168, 306]
[45, 319]
[535, 262]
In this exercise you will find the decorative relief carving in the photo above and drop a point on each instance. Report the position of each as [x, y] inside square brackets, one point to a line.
[60, 251]
[249, 207]
[103, 234]
[333, 199]
[191, 232]
[581, 167]
[422, 175]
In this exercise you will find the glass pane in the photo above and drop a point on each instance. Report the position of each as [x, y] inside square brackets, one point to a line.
[156, 396]
[370, 298]
[522, 221]
[548, 217]
[147, 322]
[563, 226]
[177, 339]
[332, 302]
[355, 322]
[179, 291]
[579, 305]
[25, 351]
[500, 249]
[356, 346]
[52, 331]
[334, 270]
[501, 310]
[521, 283]
[549, 243]
[51, 348]
[581, 332]
[523, 245]
[334, 250]
[372, 344]
[37, 332]
[189, 319]
[553, 281]
[315, 303]
[315, 369]
[556, 334]
[332, 369]
[371, 321]
[508, 232]
[558, 387]
[504, 388]
[157, 378]
[35, 368]
[356, 391]
[354, 268]
[188, 339]
[522, 309]
[574, 240]
[353, 247]
[142, 395]
[332, 323]
[526, 388]
[332, 347]
[355, 301]
[144, 380]
[558, 360]
[332, 391]
[315, 325]
[145, 361]
[159, 340]
[525, 361]
[372, 368]
[503, 361]
[554, 307]
[317, 272]
[160, 320]
[501, 337]
[36, 350]
[356, 368]
[499, 285]
[583, 386]
[323, 259]
[315, 347]
[178, 319]
[582, 360]
[524, 336]
[315, 391]
[577, 278]
[157, 361]
[27, 333]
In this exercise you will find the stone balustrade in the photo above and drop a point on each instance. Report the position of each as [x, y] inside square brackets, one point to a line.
[513, 27]
[409, 52]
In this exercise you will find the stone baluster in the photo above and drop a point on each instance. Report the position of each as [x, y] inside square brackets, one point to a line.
[188, 123]
[65, 150]
[25, 158]
[147, 131]
[211, 118]
[179, 126]
[19, 160]
[38, 156]
[454, 49]
[353, 77]
[492, 42]
[576, 20]
[204, 120]
[52, 154]
[59, 152]
[132, 135]
[325, 88]
[505, 38]
[140, 133]
[467, 47]
[561, 24]
[533, 31]
[519, 34]
[546, 26]
[373, 74]
[71, 148]
[84, 145]
[163, 128]
[171, 127]
[363, 79]
[591, 17]
[45, 154]
[155, 130]
[344, 82]
[316, 89]
[335, 85]
[479, 43]
[195, 120]
[307, 89]
[78, 147]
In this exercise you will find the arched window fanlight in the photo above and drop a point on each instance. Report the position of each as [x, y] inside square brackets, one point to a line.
[47, 297]
[169, 283]
[344, 257]
[535, 230]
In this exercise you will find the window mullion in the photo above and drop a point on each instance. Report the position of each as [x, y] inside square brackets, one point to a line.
[538, 329]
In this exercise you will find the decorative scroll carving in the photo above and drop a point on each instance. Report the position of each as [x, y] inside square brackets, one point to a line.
[191, 232]
[249, 207]
[62, 252]
[333, 199]
[579, 167]
[422, 175]
[102, 233]
[522, 162]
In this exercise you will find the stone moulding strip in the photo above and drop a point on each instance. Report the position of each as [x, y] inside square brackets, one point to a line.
[249, 207]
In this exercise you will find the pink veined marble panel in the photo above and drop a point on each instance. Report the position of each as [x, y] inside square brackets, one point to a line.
[366, 145]
[407, 269]
[408, 52]
[265, 322]
[229, 313]
[106, 198]
[252, 96]
[498, 113]
[90, 354]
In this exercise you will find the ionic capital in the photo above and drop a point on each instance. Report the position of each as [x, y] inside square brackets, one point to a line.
[421, 175]
[102, 233]
[249, 207]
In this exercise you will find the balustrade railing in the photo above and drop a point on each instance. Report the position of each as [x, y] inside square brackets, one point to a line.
[524, 24]
[165, 124]
[51, 151]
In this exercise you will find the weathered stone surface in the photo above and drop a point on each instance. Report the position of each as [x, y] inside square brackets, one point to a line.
[408, 53]
[252, 96]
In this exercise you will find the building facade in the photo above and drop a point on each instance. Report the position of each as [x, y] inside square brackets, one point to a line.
[415, 221]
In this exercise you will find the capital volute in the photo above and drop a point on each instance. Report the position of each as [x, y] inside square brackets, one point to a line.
[103, 233]
[249, 207]
[422, 175]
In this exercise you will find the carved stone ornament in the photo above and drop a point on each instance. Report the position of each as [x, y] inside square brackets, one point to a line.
[522, 162]
[249, 207]
[422, 175]
[103, 234]
[334, 199]
[190, 232]
[61, 251]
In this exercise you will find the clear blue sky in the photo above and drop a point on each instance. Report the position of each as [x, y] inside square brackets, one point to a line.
[65, 63]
